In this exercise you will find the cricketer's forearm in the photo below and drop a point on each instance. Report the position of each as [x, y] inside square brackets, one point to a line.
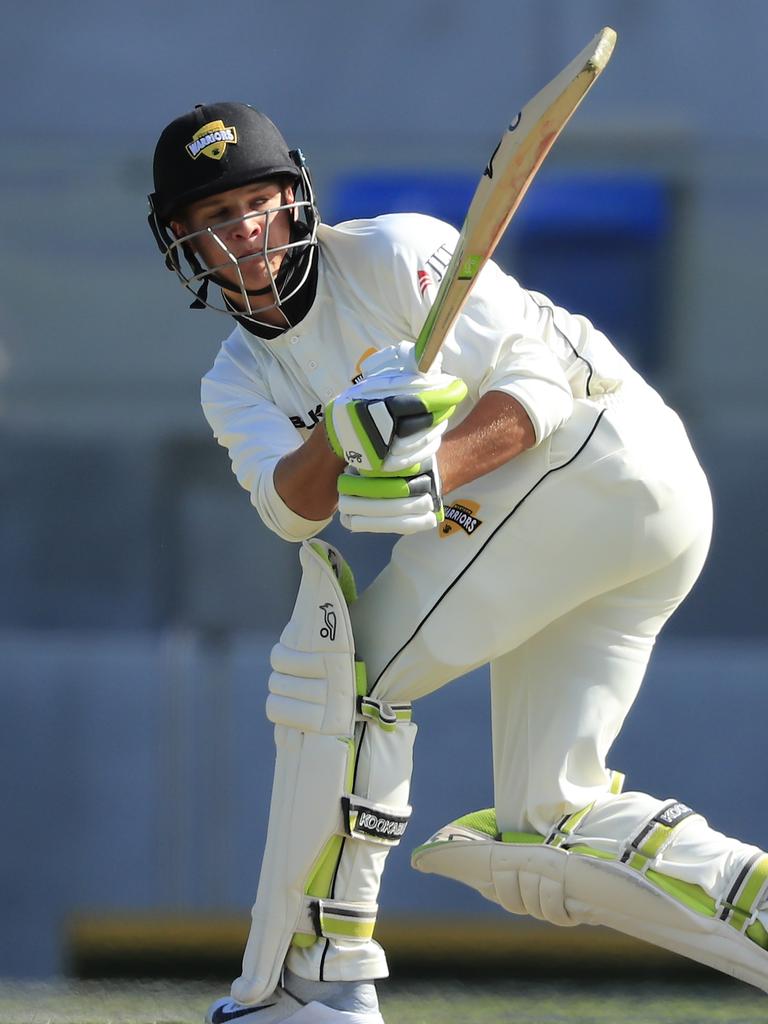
[306, 478]
[496, 430]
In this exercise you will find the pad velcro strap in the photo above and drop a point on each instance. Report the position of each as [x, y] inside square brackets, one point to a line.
[347, 921]
[654, 835]
[565, 826]
[372, 822]
[749, 890]
[617, 780]
[338, 919]
[570, 822]
[385, 715]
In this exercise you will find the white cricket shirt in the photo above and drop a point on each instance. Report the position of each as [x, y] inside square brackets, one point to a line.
[377, 279]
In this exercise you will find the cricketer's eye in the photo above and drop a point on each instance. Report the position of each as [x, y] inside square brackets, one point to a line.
[221, 213]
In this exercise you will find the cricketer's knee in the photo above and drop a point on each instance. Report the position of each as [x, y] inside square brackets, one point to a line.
[339, 796]
[649, 868]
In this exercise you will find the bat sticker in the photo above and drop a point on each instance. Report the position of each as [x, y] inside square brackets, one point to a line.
[488, 172]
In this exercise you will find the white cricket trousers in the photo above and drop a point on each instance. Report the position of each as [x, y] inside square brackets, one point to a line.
[584, 547]
[570, 560]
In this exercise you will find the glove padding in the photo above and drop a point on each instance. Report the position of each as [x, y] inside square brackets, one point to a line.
[391, 504]
[392, 421]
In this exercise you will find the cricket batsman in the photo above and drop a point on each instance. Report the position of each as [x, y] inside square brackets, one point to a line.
[552, 515]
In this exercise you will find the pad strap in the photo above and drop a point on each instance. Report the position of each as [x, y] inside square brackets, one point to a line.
[655, 835]
[748, 892]
[570, 822]
[617, 780]
[386, 716]
[373, 822]
[338, 919]
[565, 826]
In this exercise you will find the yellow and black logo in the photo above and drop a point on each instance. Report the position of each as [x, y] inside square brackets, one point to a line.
[462, 515]
[212, 140]
[358, 374]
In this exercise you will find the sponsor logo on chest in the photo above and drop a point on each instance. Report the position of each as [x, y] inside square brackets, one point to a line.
[313, 417]
[436, 266]
[357, 375]
[424, 280]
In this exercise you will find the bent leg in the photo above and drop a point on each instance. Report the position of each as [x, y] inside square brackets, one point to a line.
[562, 844]
[559, 700]
[567, 524]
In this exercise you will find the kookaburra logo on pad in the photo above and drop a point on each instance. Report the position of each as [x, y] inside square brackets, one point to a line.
[328, 629]
[674, 814]
[380, 825]
[212, 140]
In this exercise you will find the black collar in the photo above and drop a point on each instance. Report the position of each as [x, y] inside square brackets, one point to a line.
[295, 309]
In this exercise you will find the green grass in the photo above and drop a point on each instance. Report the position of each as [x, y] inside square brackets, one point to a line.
[413, 1002]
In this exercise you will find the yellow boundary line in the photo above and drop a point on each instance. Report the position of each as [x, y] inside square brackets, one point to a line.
[428, 941]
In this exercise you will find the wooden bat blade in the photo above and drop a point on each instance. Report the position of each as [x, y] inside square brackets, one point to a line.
[510, 170]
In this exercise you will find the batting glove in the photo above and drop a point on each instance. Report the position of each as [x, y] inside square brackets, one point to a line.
[392, 421]
[391, 504]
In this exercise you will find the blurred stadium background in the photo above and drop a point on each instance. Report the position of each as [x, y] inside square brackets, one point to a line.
[139, 594]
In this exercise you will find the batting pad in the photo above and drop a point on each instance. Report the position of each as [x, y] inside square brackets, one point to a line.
[560, 878]
[315, 702]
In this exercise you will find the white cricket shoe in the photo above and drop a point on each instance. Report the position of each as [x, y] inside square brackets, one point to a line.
[282, 1006]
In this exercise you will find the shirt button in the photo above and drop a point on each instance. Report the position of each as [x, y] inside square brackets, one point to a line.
[294, 341]
[312, 364]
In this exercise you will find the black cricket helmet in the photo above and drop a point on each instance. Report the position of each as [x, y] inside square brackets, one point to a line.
[214, 148]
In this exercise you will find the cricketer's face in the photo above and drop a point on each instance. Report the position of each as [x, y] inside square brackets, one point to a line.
[242, 232]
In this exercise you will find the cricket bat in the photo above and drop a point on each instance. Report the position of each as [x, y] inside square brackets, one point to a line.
[510, 170]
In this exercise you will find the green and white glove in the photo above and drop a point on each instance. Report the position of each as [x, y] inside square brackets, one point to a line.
[391, 504]
[392, 421]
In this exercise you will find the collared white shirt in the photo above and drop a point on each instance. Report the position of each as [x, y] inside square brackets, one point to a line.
[377, 279]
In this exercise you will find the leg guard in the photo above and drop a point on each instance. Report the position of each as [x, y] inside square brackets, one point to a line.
[649, 868]
[317, 701]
